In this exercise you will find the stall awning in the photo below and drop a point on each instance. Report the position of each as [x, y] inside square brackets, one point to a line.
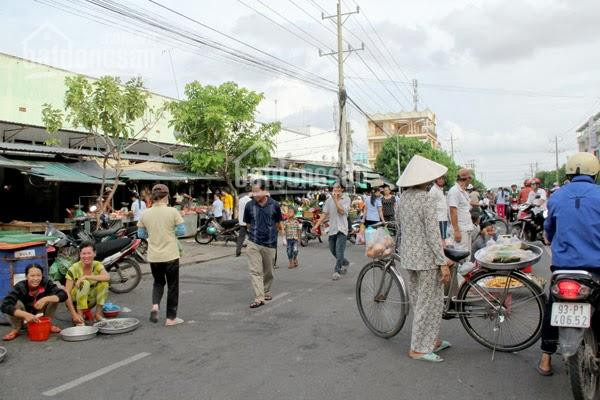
[17, 164]
[59, 172]
[178, 176]
[295, 180]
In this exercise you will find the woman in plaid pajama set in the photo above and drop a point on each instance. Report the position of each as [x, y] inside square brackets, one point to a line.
[293, 230]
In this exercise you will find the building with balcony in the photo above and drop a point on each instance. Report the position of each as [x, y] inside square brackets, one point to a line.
[417, 124]
[588, 135]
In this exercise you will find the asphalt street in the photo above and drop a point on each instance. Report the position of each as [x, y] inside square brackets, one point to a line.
[308, 343]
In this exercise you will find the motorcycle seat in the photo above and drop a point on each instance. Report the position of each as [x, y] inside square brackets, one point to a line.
[230, 223]
[455, 255]
[107, 232]
[110, 247]
[131, 230]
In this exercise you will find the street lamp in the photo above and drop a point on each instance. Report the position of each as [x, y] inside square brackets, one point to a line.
[408, 121]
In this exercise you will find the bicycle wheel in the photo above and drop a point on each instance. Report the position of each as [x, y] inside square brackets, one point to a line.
[507, 318]
[384, 313]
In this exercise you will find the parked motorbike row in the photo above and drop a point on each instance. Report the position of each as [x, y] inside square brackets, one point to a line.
[118, 249]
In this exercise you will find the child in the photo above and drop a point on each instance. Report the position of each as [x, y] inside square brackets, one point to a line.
[488, 232]
[293, 230]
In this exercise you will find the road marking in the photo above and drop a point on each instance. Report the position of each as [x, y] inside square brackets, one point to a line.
[94, 375]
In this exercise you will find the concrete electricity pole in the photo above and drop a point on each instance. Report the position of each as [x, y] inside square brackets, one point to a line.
[415, 94]
[344, 153]
[452, 146]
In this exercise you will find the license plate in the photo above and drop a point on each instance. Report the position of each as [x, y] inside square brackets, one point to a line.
[571, 315]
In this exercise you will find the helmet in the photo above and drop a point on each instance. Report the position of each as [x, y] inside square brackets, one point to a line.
[211, 230]
[582, 164]
[537, 181]
[527, 182]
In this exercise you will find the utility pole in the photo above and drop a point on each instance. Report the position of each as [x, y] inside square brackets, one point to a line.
[415, 94]
[531, 168]
[452, 146]
[346, 173]
[556, 158]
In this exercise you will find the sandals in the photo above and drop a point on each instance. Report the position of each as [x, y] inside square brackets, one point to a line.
[55, 329]
[173, 322]
[543, 372]
[429, 357]
[11, 336]
[443, 346]
[268, 297]
[256, 304]
[154, 316]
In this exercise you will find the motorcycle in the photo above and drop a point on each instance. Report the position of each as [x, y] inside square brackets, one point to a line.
[513, 211]
[354, 230]
[307, 230]
[576, 295]
[116, 256]
[488, 215]
[141, 253]
[530, 223]
[226, 231]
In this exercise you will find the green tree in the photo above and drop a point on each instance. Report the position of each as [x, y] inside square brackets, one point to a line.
[387, 165]
[219, 123]
[109, 112]
[549, 177]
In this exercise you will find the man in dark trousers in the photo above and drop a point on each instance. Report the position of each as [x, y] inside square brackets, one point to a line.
[262, 216]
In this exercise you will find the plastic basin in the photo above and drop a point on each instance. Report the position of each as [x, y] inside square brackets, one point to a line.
[39, 331]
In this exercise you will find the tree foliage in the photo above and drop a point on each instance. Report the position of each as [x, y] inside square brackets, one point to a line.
[219, 124]
[549, 177]
[386, 163]
[108, 111]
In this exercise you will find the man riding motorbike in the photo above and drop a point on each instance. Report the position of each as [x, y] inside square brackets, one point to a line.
[573, 228]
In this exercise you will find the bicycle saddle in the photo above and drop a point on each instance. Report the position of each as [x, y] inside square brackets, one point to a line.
[455, 254]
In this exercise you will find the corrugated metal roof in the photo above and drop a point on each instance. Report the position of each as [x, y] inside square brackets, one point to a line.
[34, 148]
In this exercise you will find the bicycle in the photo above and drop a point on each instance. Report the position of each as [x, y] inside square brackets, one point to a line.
[506, 318]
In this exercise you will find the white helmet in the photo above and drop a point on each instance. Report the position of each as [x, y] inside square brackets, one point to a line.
[470, 187]
[582, 164]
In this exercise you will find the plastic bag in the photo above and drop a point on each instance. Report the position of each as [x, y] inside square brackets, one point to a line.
[379, 243]
[504, 250]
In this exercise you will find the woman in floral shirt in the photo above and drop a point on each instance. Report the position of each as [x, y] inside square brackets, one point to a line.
[422, 256]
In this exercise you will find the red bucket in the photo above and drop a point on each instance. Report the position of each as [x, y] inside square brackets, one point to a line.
[39, 331]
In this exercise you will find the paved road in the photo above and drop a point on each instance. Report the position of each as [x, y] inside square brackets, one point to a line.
[308, 343]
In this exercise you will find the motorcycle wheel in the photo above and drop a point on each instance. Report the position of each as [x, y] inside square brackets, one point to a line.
[304, 238]
[501, 227]
[583, 371]
[203, 237]
[141, 253]
[125, 276]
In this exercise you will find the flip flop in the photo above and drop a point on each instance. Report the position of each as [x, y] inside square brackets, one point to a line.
[445, 345]
[11, 336]
[429, 357]
[257, 304]
[154, 316]
[55, 329]
[268, 297]
[174, 322]
[542, 372]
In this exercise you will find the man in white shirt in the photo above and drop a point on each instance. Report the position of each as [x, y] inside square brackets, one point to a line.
[441, 206]
[459, 205]
[244, 199]
[137, 206]
[537, 196]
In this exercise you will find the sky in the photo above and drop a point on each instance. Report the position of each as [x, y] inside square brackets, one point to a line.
[504, 78]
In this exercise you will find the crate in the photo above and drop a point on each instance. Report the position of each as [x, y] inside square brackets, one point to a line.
[13, 263]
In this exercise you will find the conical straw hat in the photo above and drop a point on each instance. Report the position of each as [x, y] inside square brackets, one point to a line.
[420, 170]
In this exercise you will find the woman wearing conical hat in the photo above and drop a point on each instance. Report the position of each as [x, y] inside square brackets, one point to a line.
[422, 256]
